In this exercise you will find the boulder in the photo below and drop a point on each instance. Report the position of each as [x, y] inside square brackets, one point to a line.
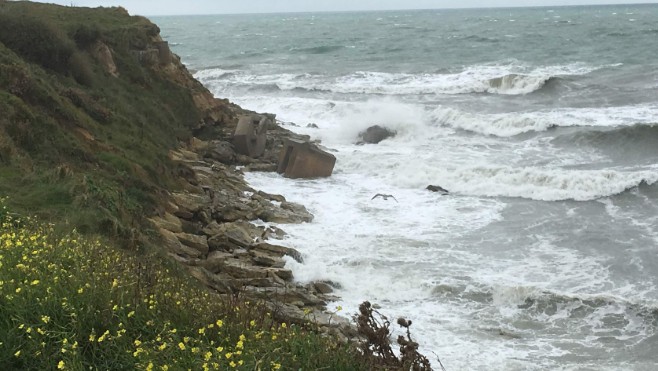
[189, 203]
[221, 151]
[375, 134]
[277, 250]
[173, 244]
[287, 213]
[168, 222]
[199, 243]
[435, 188]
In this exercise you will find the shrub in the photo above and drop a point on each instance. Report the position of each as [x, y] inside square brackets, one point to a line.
[86, 35]
[37, 41]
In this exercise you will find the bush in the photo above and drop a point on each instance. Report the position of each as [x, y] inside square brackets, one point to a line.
[37, 41]
[86, 35]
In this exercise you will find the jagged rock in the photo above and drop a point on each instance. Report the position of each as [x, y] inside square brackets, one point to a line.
[266, 260]
[211, 280]
[236, 234]
[199, 243]
[215, 260]
[189, 203]
[168, 222]
[173, 244]
[277, 250]
[323, 287]
[286, 295]
[312, 126]
[103, 54]
[375, 134]
[241, 254]
[435, 188]
[287, 213]
[273, 232]
[238, 268]
[221, 151]
[284, 274]
[271, 197]
[262, 167]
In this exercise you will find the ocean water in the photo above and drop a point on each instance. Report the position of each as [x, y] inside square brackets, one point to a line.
[542, 123]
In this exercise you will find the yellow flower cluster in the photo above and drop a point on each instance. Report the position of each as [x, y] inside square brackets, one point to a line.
[74, 303]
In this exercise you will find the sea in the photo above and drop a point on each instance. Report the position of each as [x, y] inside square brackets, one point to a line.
[542, 123]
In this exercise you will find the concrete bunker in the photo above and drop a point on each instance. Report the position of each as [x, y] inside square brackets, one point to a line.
[249, 136]
[301, 159]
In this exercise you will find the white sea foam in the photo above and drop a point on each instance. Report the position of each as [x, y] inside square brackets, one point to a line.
[496, 79]
[510, 124]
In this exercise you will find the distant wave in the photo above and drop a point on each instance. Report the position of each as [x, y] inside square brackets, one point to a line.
[545, 184]
[514, 84]
[505, 79]
[641, 137]
[322, 49]
[542, 302]
[515, 123]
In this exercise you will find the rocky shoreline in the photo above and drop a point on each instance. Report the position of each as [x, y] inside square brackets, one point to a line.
[207, 227]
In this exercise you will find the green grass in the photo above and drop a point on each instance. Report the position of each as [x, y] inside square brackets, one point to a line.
[73, 302]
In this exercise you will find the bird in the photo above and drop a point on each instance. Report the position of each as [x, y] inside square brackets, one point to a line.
[385, 197]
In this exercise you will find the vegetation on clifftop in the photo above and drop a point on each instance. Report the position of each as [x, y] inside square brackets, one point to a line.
[70, 302]
[78, 142]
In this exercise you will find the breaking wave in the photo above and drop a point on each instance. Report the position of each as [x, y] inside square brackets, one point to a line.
[544, 184]
[515, 123]
[503, 80]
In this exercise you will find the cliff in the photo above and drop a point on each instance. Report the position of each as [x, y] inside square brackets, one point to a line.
[103, 129]
[91, 103]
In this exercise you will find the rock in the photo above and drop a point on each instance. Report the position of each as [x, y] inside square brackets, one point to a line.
[266, 260]
[312, 126]
[323, 287]
[277, 250]
[375, 134]
[287, 213]
[221, 151]
[271, 197]
[215, 260]
[103, 55]
[238, 234]
[284, 274]
[199, 243]
[435, 188]
[240, 269]
[168, 222]
[189, 203]
[173, 244]
[265, 167]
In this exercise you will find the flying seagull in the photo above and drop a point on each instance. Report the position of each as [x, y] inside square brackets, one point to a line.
[385, 197]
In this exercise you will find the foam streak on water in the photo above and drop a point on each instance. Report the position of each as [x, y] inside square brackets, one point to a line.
[542, 123]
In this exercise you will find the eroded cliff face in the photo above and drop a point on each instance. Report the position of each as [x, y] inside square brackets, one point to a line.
[91, 103]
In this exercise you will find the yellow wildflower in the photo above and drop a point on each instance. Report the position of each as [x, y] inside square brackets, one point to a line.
[181, 346]
[61, 365]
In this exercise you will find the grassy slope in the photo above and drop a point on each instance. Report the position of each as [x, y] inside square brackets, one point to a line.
[76, 143]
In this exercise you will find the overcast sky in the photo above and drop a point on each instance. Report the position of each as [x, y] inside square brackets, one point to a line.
[171, 7]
